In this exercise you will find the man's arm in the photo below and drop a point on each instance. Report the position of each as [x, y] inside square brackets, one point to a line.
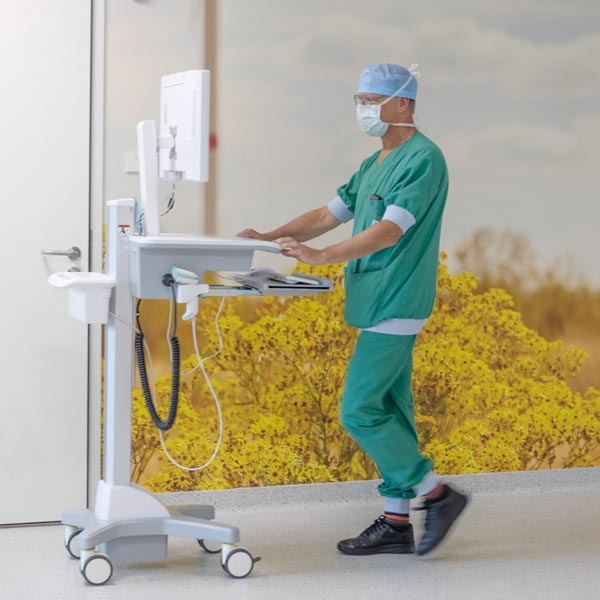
[377, 237]
[305, 227]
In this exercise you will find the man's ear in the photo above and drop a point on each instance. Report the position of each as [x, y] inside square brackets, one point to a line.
[404, 105]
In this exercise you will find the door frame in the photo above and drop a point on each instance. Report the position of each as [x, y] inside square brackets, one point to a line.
[97, 201]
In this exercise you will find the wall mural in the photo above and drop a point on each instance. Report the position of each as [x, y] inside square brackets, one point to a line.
[491, 392]
[507, 370]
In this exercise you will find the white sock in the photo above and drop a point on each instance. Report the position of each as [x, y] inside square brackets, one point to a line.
[427, 484]
[399, 506]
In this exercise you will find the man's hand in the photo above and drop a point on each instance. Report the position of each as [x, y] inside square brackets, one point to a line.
[251, 233]
[294, 249]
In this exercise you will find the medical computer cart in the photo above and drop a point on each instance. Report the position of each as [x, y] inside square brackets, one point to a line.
[128, 523]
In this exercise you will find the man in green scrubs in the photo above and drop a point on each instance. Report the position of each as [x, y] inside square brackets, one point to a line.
[396, 199]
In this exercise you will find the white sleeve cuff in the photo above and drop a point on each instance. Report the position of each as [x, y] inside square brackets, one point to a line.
[400, 216]
[339, 210]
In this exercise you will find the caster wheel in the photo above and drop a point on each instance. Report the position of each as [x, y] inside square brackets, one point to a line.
[71, 543]
[210, 547]
[239, 563]
[97, 569]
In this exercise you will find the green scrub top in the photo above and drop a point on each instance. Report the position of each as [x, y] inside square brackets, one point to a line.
[398, 282]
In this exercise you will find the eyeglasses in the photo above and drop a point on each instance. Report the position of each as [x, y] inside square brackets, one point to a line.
[368, 100]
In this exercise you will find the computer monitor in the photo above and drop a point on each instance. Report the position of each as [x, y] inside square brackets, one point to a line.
[183, 141]
[184, 116]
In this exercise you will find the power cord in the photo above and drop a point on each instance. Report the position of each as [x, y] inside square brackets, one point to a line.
[201, 361]
[139, 219]
[163, 425]
[170, 202]
[200, 365]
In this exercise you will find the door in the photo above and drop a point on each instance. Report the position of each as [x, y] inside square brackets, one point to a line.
[45, 52]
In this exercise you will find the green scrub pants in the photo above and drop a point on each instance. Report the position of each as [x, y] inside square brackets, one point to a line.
[378, 410]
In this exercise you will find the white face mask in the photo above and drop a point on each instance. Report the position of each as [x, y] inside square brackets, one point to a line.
[369, 116]
[369, 120]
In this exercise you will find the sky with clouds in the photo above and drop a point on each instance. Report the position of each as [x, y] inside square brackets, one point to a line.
[509, 90]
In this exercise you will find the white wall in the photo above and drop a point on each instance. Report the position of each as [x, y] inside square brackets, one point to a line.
[145, 40]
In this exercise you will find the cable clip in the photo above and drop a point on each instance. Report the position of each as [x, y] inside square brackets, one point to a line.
[168, 280]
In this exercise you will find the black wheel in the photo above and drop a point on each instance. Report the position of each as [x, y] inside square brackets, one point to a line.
[210, 547]
[97, 569]
[71, 544]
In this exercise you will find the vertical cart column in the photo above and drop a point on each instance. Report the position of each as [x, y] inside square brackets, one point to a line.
[118, 347]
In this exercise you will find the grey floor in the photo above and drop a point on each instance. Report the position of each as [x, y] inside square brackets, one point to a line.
[524, 536]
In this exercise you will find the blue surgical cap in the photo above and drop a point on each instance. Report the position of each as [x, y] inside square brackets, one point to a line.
[387, 79]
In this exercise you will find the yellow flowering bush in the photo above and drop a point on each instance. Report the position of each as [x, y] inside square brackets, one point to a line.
[493, 395]
[490, 394]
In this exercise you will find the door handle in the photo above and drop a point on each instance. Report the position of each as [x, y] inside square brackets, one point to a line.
[73, 252]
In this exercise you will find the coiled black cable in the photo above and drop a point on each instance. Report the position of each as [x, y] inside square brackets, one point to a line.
[175, 371]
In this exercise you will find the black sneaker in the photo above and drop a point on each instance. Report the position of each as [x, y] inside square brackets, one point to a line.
[441, 514]
[382, 537]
